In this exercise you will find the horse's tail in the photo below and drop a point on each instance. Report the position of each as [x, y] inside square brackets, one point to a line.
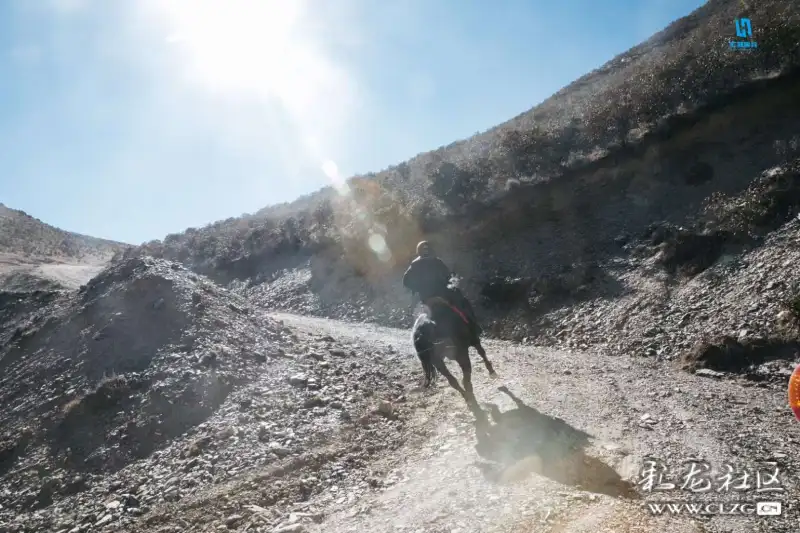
[423, 337]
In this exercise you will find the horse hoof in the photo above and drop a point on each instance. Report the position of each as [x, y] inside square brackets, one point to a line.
[492, 374]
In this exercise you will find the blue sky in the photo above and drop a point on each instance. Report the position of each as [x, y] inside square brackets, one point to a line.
[132, 119]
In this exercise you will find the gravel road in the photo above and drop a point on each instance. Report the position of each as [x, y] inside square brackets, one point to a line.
[538, 479]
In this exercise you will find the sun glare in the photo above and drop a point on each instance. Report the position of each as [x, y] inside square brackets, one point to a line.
[251, 45]
[272, 51]
[331, 170]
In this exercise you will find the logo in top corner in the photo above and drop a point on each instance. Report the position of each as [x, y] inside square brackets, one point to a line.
[744, 30]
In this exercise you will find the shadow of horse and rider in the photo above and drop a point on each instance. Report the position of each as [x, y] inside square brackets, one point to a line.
[515, 443]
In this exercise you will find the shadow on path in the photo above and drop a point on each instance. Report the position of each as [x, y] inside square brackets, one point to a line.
[524, 441]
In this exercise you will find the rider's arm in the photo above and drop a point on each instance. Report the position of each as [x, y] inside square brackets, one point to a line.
[442, 271]
[408, 278]
[409, 283]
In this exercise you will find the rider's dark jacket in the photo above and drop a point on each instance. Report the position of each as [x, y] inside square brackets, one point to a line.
[427, 276]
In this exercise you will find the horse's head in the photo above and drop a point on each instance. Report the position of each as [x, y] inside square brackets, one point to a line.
[452, 283]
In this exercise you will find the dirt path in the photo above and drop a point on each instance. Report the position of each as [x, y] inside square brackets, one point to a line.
[631, 409]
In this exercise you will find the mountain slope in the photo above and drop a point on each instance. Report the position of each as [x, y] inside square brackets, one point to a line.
[35, 255]
[22, 234]
[538, 207]
[664, 230]
[152, 385]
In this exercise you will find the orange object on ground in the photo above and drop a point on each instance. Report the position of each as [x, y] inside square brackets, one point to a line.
[794, 392]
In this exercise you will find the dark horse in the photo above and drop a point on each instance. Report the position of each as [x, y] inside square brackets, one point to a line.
[441, 332]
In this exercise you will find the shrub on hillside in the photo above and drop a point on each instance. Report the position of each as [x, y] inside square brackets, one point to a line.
[793, 304]
[730, 355]
[771, 200]
[454, 186]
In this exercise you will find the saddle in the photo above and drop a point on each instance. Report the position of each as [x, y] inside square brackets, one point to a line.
[439, 300]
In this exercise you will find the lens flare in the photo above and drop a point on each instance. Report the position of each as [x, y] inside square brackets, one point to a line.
[331, 170]
[360, 214]
[378, 245]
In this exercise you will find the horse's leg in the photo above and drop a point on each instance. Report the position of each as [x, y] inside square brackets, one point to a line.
[475, 338]
[462, 356]
[422, 337]
[438, 362]
[466, 368]
[428, 368]
[486, 361]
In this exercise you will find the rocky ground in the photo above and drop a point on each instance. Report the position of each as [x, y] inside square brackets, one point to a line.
[536, 472]
[745, 298]
[152, 386]
[736, 310]
[19, 273]
[154, 400]
[675, 293]
[145, 397]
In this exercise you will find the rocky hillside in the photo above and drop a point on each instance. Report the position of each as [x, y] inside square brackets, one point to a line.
[38, 256]
[648, 94]
[153, 399]
[649, 209]
[22, 234]
[558, 205]
[152, 384]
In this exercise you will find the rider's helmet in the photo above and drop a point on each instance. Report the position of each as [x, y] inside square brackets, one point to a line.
[424, 249]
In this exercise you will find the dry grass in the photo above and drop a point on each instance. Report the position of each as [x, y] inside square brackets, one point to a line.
[794, 306]
[72, 406]
[111, 382]
[110, 390]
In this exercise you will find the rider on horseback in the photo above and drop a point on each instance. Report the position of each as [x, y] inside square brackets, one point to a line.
[429, 277]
